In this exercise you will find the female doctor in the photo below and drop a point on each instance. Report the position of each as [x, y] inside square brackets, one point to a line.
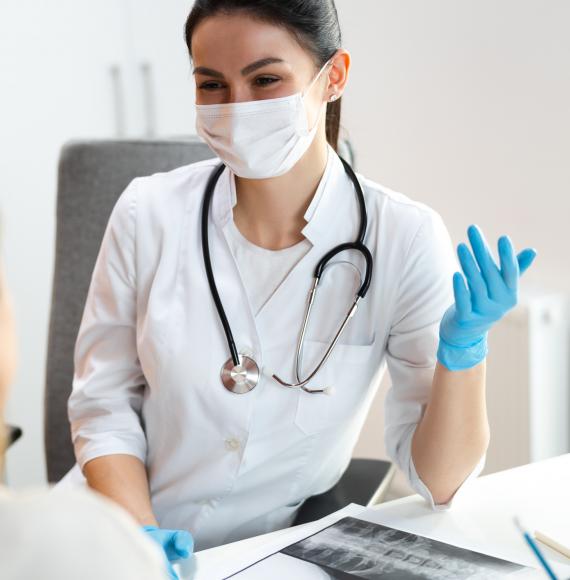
[184, 407]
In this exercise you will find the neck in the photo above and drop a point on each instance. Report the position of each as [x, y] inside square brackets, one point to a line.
[270, 212]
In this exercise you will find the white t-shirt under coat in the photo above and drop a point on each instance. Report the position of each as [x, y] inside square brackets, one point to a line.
[263, 270]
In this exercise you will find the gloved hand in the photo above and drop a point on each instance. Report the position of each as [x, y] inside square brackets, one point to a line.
[489, 294]
[177, 544]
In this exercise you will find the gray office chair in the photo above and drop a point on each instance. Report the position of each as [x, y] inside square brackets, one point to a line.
[91, 177]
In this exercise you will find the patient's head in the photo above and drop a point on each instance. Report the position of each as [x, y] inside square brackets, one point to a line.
[7, 342]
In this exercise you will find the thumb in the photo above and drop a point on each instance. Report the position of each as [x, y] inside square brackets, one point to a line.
[525, 259]
[183, 544]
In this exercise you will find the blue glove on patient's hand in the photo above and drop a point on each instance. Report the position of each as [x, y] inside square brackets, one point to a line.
[489, 294]
[177, 544]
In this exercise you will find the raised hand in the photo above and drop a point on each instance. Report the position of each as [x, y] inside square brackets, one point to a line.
[484, 293]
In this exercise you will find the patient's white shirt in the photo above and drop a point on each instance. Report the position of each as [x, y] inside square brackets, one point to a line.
[70, 534]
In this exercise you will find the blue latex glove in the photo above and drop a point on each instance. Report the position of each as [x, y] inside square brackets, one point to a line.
[491, 291]
[177, 544]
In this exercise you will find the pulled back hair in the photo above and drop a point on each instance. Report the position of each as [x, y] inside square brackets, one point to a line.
[314, 23]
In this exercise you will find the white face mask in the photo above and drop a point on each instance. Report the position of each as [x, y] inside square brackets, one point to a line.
[259, 139]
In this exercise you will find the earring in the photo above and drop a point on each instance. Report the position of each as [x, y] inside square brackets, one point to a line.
[333, 98]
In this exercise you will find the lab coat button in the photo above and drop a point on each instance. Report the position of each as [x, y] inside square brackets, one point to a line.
[232, 444]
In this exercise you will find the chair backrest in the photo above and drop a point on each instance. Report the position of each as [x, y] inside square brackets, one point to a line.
[91, 177]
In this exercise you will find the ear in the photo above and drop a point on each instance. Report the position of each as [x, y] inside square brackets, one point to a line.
[338, 74]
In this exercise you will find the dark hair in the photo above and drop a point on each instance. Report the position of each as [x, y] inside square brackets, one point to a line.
[313, 22]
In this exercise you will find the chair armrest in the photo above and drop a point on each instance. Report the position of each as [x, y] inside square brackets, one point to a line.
[14, 433]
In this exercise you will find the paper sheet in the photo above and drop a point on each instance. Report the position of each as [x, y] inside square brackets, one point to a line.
[207, 565]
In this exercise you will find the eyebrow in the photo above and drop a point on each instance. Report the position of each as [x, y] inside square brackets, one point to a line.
[202, 70]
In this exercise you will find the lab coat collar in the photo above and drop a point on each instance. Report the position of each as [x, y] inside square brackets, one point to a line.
[321, 215]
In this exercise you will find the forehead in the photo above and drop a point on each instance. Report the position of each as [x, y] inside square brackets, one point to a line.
[232, 41]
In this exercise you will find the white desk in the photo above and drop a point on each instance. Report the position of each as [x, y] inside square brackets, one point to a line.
[480, 519]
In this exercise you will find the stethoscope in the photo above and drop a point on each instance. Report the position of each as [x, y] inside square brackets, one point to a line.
[240, 373]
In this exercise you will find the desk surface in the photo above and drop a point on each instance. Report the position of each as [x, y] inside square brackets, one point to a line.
[481, 518]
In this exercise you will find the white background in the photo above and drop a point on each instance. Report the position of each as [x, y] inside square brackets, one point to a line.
[461, 104]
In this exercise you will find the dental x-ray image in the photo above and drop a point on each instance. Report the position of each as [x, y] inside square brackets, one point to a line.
[353, 548]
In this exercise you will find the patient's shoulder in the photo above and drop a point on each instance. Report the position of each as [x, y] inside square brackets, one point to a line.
[62, 532]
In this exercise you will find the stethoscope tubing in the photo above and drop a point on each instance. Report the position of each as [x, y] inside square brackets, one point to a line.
[357, 245]
[210, 187]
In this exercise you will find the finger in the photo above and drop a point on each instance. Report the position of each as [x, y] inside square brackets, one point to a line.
[462, 296]
[183, 544]
[472, 273]
[509, 264]
[487, 265]
[525, 259]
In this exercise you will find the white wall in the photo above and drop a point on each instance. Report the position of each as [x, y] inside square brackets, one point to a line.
[465, 105]
[462, 104]
[55, 85]
[43, 53]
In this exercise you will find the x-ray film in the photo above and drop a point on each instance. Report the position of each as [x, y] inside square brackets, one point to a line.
[354, 549]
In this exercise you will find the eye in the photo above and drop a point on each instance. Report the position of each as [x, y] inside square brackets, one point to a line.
[211, 86]
[265, 81]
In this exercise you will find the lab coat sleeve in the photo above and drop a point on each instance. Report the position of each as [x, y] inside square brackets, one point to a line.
[425, 292]
[106, 400]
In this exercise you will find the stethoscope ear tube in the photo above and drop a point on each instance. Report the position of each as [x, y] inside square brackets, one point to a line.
[359, 247]
[361, 202]
[368, 274]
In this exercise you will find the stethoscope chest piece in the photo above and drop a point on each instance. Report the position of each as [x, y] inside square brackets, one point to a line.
[242, 378]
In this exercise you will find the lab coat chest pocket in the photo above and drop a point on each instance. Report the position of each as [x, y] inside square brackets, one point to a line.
[347, 375]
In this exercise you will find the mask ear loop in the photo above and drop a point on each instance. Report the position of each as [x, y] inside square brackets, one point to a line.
[304, 94]
[311, 84]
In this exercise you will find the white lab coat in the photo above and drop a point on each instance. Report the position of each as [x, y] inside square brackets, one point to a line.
[151, 346]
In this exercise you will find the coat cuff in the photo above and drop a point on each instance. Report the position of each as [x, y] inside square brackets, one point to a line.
[87, 450]
[421, 488]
